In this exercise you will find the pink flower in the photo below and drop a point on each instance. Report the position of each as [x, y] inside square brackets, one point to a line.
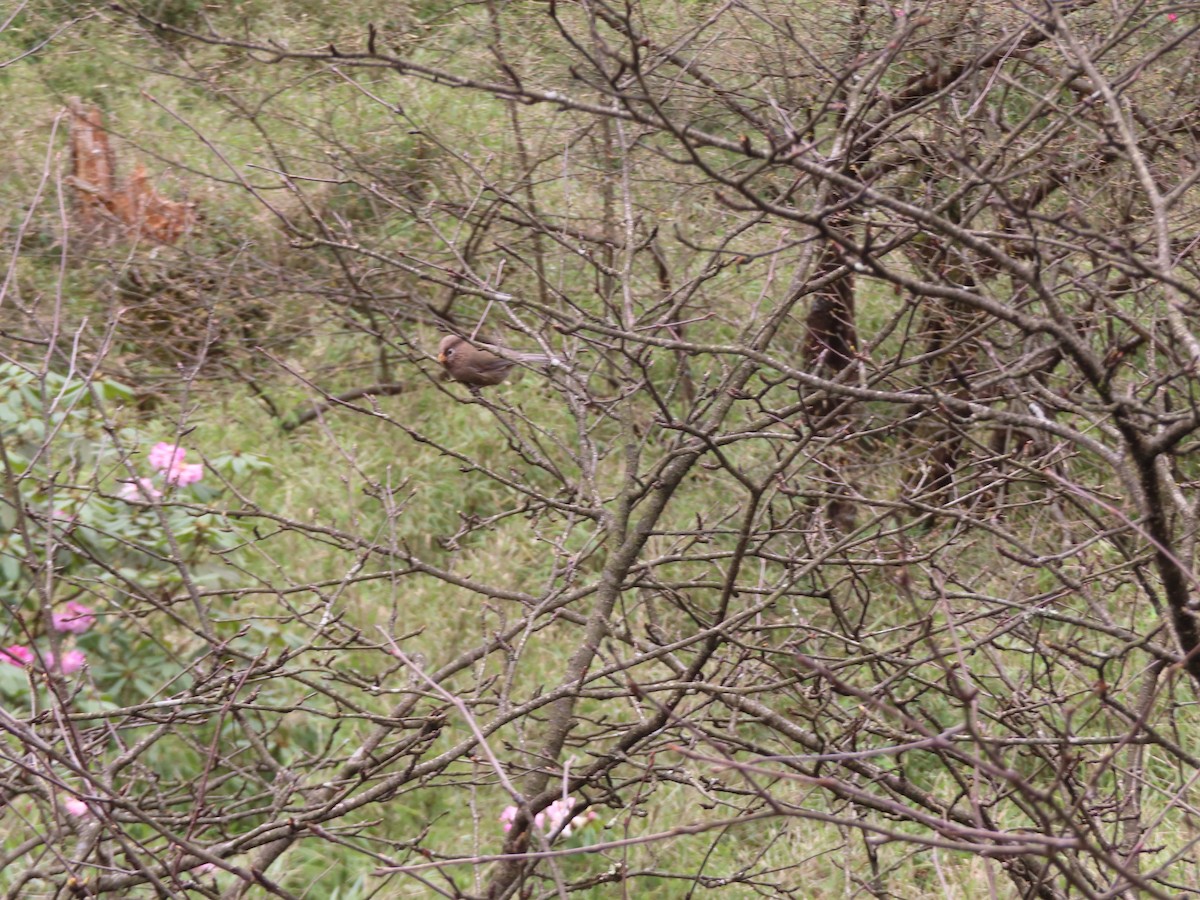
[558, 812]
[507, 817]
[16, 655]
[559, 815]
[72, 661]
[76, 807]
[140, 491]
[555, 816]
[166, 456]
[73, 617]
[185, 474]
[1171, 17]
[583, 818]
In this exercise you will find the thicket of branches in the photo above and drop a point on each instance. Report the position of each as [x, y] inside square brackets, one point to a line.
[864, 506]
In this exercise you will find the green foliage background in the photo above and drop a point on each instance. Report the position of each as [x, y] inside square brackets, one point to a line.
[217, 343]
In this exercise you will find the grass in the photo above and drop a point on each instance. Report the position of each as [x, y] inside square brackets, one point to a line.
[368, 476]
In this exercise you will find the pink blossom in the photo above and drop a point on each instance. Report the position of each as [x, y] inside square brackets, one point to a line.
[166, 456]
[559, 812]
[16, 655]
[72, 661]
[1171, 17]
[140, 491]
[73, 617]
[185, 474]
[555, 816]
[507, 817]
[76, 807]
[559, 815]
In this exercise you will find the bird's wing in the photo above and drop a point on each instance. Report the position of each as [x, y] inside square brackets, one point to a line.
[495, 364]
[511, 357]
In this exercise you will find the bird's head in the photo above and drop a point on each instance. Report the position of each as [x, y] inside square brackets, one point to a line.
[448, 347]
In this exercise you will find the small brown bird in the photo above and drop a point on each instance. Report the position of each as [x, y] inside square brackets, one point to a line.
[476, 368]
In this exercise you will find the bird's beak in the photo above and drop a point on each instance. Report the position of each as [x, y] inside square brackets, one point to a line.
[442, 358]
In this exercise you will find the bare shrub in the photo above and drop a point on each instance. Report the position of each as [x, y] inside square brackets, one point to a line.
[851, 550]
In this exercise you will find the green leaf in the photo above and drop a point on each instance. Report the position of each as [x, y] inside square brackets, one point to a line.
[10, 569]
[13, 680]
[114, 390]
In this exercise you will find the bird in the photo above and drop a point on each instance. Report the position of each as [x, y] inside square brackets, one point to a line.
[476, 368]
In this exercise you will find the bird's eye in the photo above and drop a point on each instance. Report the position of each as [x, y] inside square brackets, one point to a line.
[449, 352]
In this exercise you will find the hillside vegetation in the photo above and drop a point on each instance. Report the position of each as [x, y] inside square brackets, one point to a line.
[832, 534]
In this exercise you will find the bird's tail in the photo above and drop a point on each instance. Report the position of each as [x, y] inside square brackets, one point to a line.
[540, 359]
